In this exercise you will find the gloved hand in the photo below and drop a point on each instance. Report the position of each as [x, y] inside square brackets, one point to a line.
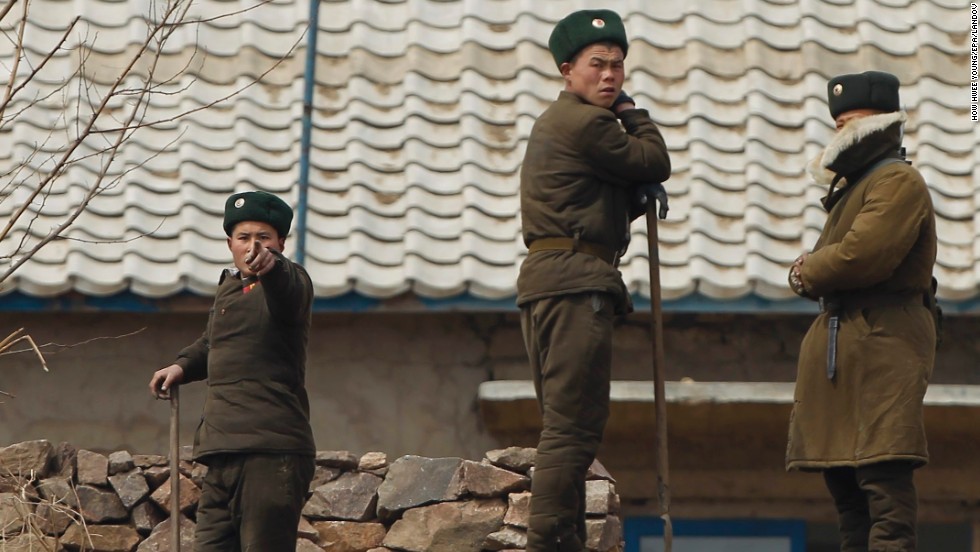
[653, 192]
[623, 98]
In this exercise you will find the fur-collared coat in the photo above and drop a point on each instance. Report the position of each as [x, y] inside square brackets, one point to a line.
[879, 240]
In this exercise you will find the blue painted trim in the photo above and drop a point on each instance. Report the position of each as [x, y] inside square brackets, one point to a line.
[355, 302]
[636, 527]
[306, 134]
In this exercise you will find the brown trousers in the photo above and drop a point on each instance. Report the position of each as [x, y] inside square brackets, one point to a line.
[569, 345]
[876, 506]
[252, 502]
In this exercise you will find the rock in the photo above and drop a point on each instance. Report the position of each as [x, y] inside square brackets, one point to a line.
[29, 542]
[341, 459]
[305, 530]
[598, 471]
[197, 474]
[416, 481]
[144, 461]
[14, 514]
[146, 515]
[322, 475]
[63, 460]
[156, 475]
[101, 538]
[518, 459]
[447, 526]
[303, 545]
[159, 539]
[120, 461]
[98, 506]
[346, 536]
[186, 467]
[351, 497]
[487, 481]
[53, 519]
[600, 498]
[130, 486]
[604, 534]
[189, 495]
[508, 538]
[58, 490]
[518, 509]
[31, 459]
[93, 468]
[373, 461]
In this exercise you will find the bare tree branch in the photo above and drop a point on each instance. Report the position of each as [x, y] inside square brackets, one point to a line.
[62, 347]
[108, 113]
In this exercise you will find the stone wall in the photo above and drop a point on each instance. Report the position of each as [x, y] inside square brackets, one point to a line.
[58, 498]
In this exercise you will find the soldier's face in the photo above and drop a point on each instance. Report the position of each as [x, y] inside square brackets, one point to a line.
[596, 74]
[243, 237]
[852, 115]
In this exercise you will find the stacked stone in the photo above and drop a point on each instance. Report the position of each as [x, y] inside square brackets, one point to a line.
[60, 498]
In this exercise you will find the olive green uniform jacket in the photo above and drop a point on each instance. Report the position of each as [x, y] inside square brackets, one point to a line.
[879, 241]
[578, 180]
[253, 354]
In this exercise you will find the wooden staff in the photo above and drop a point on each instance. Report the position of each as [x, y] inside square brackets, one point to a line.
[175, 468]
[660, 400]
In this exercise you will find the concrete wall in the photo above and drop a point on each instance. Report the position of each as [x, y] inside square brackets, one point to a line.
[399, 383]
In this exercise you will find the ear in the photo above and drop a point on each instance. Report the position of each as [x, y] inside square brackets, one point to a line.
[228, 240]
[565, 69]
[282, 244]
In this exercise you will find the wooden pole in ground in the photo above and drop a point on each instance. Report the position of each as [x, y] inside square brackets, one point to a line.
[660, 400]
[175, 468]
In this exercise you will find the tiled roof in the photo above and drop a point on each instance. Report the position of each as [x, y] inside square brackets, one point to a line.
[421, 114]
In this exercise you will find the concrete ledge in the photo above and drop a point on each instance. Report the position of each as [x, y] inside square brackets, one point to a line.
[714, 392]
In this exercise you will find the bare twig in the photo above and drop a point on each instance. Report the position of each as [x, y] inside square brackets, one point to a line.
[98, 119]
[61, 347]
[12, 338]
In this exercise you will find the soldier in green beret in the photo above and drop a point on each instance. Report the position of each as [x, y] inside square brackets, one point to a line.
[866, 361]
[590, 159]
[255, 434]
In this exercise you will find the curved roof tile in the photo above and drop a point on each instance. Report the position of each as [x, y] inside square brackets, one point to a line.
[421, 116]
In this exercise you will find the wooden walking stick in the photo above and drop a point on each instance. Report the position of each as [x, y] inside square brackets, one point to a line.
[174, 468]
[660, 400]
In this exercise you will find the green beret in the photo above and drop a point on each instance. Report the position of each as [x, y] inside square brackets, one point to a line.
[869, 90]
[585, 27]
[259, 207]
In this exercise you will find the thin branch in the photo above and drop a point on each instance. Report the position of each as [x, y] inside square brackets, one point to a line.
[18, 53]
[59, 168]
[6, 9]
[237, 92]
[9, 342]
[13, 91]
[62, 347]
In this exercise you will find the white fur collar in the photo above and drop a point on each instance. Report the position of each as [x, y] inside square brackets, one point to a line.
[852, 133]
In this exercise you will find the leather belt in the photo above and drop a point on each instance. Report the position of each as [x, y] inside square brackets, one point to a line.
[570, 244]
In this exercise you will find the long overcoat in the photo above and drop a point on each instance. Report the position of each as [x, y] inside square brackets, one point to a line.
[877, 250]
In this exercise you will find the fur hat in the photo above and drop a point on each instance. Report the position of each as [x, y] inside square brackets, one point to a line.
[260, 207]
[868, 90]
[579, 29]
